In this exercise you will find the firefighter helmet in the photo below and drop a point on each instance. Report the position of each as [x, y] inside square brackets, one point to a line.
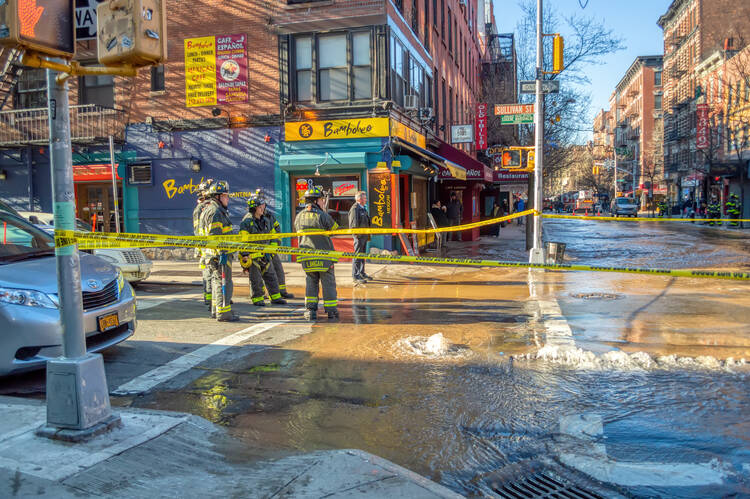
[218, 188]
[253, 202]
[203, 187]
[313, 193]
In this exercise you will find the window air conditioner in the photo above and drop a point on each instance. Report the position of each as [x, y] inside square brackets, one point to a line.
[411, 101]
[140, 174]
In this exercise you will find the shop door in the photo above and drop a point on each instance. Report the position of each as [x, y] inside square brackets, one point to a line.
[95, 205]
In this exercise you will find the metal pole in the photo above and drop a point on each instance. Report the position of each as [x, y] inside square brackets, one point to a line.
[537, 254]
[614, 149]
[114, 182]
[77, 394]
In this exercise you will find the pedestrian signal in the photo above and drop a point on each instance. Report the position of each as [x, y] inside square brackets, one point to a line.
[44, 26]
[511, 158]
[132, 32]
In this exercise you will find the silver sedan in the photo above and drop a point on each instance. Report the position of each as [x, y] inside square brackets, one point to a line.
[30, 330]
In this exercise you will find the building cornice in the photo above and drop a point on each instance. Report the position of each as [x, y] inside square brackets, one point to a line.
[676, 7]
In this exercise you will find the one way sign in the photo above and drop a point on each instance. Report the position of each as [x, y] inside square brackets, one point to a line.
[548, 86]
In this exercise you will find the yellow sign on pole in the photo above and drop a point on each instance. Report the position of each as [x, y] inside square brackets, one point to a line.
[200, 71]
[407, 133]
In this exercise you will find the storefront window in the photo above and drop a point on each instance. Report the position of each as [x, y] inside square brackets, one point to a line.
[341, 190]
[332, 74]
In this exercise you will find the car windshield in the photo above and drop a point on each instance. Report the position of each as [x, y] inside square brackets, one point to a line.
[624, 201]
[21, 240]
[7, 208]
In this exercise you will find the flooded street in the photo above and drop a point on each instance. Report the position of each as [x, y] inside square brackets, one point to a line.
[638, 382]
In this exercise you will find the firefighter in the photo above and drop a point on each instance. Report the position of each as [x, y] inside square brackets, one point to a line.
[733, 209]
[257, 264]
[318, 269]
[275, 227]
[215, 222]
[713, 210]
[201, 204]
[662, 207]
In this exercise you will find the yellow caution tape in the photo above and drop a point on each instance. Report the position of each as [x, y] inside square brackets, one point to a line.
[643, 219]
[91, 240]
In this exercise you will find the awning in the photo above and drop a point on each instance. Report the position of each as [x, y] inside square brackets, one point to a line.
[457, 171]
[291, 162]
[475, 170]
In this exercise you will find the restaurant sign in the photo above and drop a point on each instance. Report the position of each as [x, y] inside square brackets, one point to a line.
[379, 198]
[215, 70]
[336, 129]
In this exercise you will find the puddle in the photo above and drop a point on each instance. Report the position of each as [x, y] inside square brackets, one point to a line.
[433, 347]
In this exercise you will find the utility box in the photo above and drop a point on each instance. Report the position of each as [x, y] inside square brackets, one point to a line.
[132, 32]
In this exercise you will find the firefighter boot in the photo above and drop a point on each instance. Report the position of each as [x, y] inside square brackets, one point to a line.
[311, 315]
[333, 314]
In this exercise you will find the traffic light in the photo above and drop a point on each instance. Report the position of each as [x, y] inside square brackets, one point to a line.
[530, 159]
[511, 158]
[557, 53]
[44, 26]
[596, 170]
[132, 32]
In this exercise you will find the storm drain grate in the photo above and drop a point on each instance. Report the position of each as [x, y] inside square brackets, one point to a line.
[597, 296]
[541, 485]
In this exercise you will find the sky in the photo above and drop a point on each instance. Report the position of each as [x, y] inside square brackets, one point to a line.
[632, 20]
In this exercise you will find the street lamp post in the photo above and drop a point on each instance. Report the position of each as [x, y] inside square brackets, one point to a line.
[536, 255]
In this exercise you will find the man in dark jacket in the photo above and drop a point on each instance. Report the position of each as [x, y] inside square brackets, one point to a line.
[438, 214]
[455, 212]
[359, 219]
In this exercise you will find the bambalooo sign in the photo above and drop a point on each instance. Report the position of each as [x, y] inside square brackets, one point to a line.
[483, 174]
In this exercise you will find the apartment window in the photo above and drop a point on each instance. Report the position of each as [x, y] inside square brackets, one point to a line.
[450, 106]
[657, 102]
[434, 12]
[31, 89]
[427, 24]
[362, 65]
[442, 20]
[657, 78]
[445, 108]
[332, 68]
[426, 95]
[157, 78]
[399, 59]
[99, 90]
[414, 18]
[450, 31]
[436, 94]
[303, 67]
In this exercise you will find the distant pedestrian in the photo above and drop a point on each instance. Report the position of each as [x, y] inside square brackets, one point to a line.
[520, 206]
[359, 219]
[497, 212]
[441, 220]
[455, 212]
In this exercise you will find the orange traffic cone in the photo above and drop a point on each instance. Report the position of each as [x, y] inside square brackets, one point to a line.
[587, 212]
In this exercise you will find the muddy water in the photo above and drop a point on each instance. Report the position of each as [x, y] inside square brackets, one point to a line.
[438, 369]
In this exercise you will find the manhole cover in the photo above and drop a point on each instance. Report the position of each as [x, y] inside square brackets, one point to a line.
[597, 296]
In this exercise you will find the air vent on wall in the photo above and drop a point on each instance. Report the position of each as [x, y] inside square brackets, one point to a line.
[140, 173]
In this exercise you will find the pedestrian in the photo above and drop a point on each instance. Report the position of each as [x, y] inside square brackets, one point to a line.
[215, 222]
[318, 268]
[520, 206]
[455, 212]
[497, 212]
[505, 212]
[437, 210]
[359, 219]
[275, 228]
[257, 264]
[201, 203]
[733, 209]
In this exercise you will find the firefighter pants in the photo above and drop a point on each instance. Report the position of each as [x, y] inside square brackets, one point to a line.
[262, 272]
[206, 271]
[313, 281]
[221, 288]
[279, 270]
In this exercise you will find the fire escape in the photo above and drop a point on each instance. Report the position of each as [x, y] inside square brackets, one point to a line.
[90, 124]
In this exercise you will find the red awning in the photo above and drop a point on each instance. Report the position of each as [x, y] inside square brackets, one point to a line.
[475, 170]
[93, 173]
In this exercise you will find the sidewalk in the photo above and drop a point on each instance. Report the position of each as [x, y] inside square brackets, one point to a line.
[163, 454]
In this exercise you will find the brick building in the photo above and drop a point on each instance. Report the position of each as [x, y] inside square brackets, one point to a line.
[693, 30]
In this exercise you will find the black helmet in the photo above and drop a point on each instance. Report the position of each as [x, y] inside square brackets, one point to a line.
[217, 188]
[254, 201]
[312, 194]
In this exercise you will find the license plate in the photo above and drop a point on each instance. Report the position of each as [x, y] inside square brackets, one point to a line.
[107, 322]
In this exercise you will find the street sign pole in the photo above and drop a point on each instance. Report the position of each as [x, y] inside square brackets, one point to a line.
[77, 394]
[614, 149]
[536, 255]
[114, 183]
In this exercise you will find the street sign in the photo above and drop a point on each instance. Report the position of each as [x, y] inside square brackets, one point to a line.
[548, 86]
[516, 119]
[501, 109]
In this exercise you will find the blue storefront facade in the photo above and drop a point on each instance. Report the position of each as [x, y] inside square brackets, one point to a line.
[242, 156]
